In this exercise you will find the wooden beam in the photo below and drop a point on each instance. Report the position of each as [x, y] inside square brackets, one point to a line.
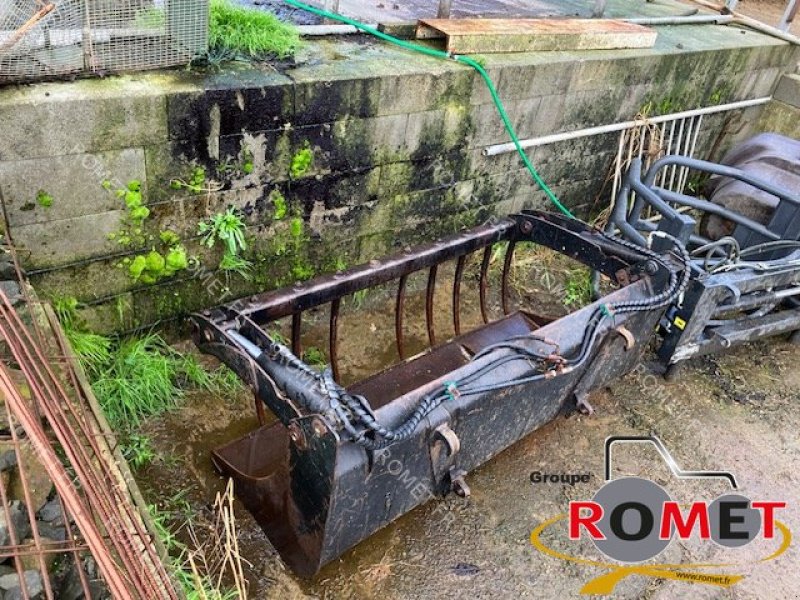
[467, 36]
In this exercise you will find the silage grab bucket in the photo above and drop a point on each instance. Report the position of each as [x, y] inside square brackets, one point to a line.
[325, 475]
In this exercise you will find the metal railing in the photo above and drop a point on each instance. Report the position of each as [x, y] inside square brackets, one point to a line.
[786, 19]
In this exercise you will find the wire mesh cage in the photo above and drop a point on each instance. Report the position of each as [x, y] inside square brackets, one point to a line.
[49, 38]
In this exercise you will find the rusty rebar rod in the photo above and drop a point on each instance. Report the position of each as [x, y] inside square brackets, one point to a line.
[82, 515]
[103, 495]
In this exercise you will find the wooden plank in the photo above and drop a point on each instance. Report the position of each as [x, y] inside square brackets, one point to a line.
[467, 36]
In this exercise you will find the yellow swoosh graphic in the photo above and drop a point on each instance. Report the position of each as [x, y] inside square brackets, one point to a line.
[605, 584]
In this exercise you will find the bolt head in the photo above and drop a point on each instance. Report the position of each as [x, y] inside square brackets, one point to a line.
[319, 428]
[296, 435]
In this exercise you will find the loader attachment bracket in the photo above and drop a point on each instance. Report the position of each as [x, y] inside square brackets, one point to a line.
[743, 241]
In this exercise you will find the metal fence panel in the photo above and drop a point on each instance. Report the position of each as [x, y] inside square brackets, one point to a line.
[51, 38]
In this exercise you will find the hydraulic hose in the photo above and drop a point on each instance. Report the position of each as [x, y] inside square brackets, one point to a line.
[465, 60]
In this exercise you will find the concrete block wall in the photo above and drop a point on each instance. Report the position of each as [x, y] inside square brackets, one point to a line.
[782, 114]
[396, 141]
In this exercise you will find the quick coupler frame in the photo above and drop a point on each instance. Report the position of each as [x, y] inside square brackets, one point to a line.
[744, 286]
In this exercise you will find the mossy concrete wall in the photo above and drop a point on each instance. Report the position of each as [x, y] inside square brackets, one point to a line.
[782, 114]
[396, 141]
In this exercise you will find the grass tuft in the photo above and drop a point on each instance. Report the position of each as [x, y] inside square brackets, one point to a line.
[141, 380]
[138, 451]
[578, 288]
[314, 358]
[136, 378]
[239, 32]
[221, 381]
[93, 351]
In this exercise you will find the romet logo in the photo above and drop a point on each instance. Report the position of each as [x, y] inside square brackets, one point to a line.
[632, 520]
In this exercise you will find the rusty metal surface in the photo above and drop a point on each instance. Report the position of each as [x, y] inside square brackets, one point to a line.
[105, 515]
[429, 292]
[483, 284]
[506, 270]
[333, 336]
[524, 35]
[462, 261]
[407, 376]
[515, 324]
[398, 315]
[262, 308]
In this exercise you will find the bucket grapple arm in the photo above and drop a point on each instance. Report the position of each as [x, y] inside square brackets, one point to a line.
[342, 462]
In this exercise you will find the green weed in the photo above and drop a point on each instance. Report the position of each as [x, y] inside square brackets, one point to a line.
[131, 233]
[314, 357]
[578, 288]
[93, 350]
[158, 263]
[140, 381]
[278, 337]
[160, 521]
[145, 377]
[225, 382]
[227, 228]
[222, 380]
[301, 267]
[279, 204]
[195, 184]
[238, 32]
[170, 238]
[360, 297]
[184, 568]
[301, 162]
[138, 451]
[247, 165]
[236, 264]
[339, 264]
[44, 199]
[66, 309]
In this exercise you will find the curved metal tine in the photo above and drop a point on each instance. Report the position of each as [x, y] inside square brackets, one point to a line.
[398, 315]
[261, 415]
[506, 268]
[462, 260]
[333, 341]
[297, 347]
[487, 255]
[429, 304]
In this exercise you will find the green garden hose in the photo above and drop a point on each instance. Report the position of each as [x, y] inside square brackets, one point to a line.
[466, 60]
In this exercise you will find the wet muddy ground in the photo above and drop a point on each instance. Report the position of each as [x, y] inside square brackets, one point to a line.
[735, 412]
